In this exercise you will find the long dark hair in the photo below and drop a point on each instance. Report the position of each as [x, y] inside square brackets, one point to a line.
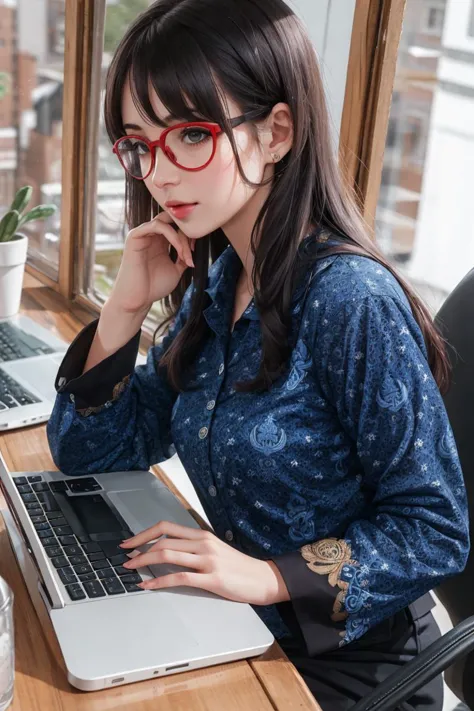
[259, 53]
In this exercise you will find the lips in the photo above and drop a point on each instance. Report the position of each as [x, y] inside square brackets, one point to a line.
[180, 210]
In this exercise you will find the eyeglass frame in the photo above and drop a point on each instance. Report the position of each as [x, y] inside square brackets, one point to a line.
[214, 128]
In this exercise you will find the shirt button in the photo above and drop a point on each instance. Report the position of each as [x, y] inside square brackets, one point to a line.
[203, 433]
[229, 536]
[221, 368]
[71, 397]
[212, 490]
[211, 404]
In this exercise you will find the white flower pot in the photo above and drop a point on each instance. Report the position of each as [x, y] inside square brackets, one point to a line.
[12, 269]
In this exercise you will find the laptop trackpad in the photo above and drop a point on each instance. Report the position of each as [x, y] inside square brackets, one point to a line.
[142, 509]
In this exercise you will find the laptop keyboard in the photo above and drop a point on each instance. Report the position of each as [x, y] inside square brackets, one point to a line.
[16, 343]
[12, 394]
[87, 569]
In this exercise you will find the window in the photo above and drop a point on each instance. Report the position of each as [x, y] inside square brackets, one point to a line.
[433, 19]
[31, 91]
[106, 189]
[424, 212]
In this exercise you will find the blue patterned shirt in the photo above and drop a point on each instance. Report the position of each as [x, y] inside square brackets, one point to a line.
[346, 470]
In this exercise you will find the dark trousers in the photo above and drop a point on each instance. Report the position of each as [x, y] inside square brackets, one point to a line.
[340, 678]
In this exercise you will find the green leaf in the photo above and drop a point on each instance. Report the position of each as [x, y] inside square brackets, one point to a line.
[22, 198]
[41, 212]
[9, 225]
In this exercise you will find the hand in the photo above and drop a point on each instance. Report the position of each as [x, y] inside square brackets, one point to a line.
[219, 568]
[147, 273]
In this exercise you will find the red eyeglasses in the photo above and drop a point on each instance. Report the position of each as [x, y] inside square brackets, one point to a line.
[191, 146]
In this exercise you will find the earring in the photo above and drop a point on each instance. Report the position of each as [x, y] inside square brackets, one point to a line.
[276, 157]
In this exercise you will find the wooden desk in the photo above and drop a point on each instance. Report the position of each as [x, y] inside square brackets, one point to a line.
[264, 683]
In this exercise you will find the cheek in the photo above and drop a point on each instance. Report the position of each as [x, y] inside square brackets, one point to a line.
[224, 172]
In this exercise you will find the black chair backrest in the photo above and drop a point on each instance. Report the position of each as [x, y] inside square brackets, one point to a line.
[456, 323]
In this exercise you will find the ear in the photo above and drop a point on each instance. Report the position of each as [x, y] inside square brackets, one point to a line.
[278, 139]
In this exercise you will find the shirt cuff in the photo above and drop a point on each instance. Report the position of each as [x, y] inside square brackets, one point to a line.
[97, 386]
[316, 604]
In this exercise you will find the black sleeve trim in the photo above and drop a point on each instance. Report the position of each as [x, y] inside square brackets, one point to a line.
[95, 387]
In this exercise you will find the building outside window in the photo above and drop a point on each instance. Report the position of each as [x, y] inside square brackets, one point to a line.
[424, 215]
[31, 94]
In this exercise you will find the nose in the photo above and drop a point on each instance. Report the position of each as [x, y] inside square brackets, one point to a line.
[165, 172]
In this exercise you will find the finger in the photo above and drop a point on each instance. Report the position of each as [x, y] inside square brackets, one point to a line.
[163, 528]
[186, 560]
[194, 545]
[159, 227]
[187, 243]
[191, 580]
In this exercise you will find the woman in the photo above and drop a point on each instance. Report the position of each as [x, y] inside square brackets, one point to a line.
[300, 379]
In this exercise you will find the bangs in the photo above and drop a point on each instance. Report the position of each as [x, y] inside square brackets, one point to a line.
[183, 80]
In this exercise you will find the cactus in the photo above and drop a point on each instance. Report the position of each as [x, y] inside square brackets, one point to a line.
[14, 218]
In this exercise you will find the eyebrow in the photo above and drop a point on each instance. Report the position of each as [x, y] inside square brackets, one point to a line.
[136, 127]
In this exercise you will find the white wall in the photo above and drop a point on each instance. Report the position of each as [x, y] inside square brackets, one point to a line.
[330, 27]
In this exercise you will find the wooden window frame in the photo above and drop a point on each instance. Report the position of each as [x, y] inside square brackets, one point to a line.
[372, 63]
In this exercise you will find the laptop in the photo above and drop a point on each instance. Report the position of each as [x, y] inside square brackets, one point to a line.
[29, 360]
[65, 533]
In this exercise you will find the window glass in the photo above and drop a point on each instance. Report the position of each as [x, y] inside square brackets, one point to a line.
[31, 94]
[108, 226]
[423, 220]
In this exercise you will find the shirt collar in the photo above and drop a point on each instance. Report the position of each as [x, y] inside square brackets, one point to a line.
[225, 271]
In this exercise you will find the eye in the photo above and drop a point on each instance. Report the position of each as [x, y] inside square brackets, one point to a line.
[193, 136]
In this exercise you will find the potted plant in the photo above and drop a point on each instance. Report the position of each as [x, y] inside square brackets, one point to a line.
[13, 248]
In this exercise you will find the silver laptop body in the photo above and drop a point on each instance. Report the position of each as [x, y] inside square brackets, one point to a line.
[121, 636]
[29, 379]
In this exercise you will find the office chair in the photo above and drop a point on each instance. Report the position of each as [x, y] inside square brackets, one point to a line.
[453, 652]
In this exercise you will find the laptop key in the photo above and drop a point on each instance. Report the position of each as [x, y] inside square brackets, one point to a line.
[75, 591]
[113, 586]
[67, 540]
[130, 587]
[120, 570]
[29, 498]
[40, 486]
[82, 569]
[132, 578]
[54, 514]
[42, 526]
[73, 550]
[35, 478]
[24, 489]
[100, 564]
[58, 486]
[119, 559]
[49, 541]
[94, 589]
[60, 521]
[92, 548]
[105, 573]
[32, 506]
[54, 551]
[85, 577]
[60, 561]
[77, 560]
[48, 501]
[38, 519]
[45, 534]
[96, 556]
[67, 575]
[20, 480]
[84, 539]
[63, 530]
